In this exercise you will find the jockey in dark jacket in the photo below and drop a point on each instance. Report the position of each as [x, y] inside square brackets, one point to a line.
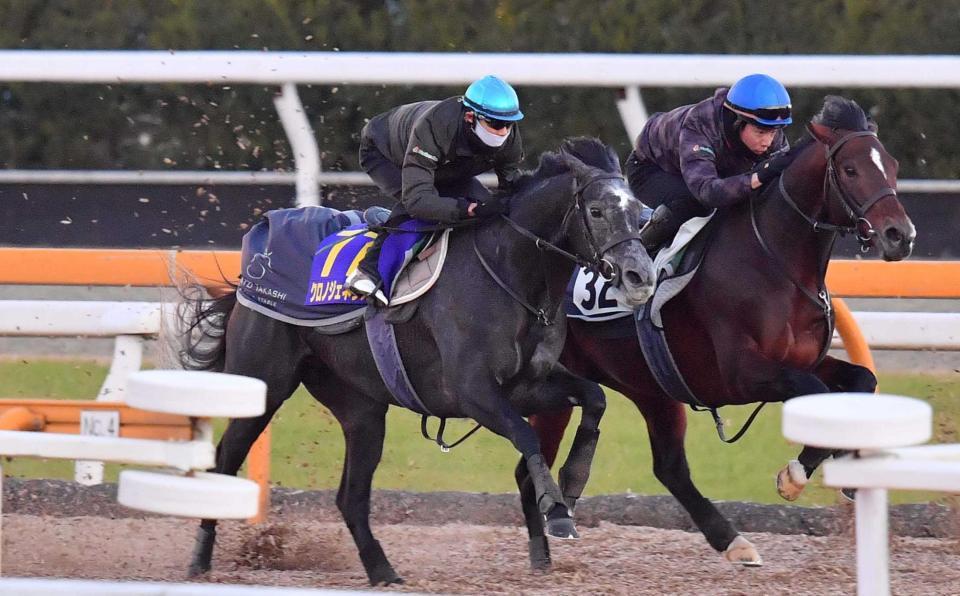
[709, 155]
[426, 156]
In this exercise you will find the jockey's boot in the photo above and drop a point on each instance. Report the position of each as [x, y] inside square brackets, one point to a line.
[660, 229]
[366, 281]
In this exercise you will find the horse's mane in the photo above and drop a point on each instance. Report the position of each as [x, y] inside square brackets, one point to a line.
[842, 113]
[589, 150]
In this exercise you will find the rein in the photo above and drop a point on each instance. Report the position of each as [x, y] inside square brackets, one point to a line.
[597, 262]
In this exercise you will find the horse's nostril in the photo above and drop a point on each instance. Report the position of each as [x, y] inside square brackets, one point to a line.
[633, 278]
[894, 235]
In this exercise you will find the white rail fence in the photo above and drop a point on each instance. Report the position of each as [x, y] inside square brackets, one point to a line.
[886, 435]
[183, 488]
[129, 323]
[628, 72]
[132, 322]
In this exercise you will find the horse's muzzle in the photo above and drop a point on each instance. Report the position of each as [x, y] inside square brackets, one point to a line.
[896, 240]
[637, 279]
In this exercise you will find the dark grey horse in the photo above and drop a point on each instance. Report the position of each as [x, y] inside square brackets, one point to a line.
[483, 343]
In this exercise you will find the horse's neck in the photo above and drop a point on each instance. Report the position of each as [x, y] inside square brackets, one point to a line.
[542, 212]
[786, 232]
[542, 209]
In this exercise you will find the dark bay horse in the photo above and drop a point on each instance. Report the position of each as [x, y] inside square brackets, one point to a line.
[482, 344]
[754, 323]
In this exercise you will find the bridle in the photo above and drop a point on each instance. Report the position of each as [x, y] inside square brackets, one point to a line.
[597, 260]
[831, 186]
[857, 213]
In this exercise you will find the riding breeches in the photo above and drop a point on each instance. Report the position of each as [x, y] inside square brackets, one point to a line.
[655, 187]
[387, 176]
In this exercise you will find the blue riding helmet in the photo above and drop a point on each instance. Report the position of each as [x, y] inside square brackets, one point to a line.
[493, 98]
[760, 99]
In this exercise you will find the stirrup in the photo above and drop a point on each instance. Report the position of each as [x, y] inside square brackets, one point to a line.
[361, 283]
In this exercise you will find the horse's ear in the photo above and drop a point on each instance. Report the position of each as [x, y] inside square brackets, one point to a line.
[872, 125]
[577, 167]
[822, 133]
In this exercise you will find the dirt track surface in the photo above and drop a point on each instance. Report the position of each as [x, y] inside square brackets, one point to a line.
[464, 559]
[46, 534]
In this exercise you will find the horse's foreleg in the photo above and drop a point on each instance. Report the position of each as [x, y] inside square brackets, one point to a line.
[666, 426]
[758, 379]
[839, 376]
[493, 411]
[549, 427]
[575, 472]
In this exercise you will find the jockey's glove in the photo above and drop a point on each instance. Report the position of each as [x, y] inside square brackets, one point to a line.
[490, 208]
[769, 169]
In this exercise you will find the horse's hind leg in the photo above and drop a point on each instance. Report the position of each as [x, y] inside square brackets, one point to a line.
[275, 362]
[364, 426]
[549, 427]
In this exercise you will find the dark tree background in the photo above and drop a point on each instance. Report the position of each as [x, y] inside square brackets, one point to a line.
[235, 127]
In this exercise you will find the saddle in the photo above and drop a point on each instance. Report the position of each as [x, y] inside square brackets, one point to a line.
[675, 265]
[295, 262]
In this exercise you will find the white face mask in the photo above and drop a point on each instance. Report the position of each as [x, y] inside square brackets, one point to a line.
[489, 139]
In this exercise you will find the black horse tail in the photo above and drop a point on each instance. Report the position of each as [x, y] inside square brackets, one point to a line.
[203, 322]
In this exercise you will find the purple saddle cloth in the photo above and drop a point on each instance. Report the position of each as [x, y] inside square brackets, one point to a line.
[294, 262]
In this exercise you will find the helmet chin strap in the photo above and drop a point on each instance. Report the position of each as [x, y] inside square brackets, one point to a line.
[488, 138]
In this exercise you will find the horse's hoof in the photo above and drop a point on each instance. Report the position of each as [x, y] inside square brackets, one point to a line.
[385, 577]
[849, 494]
[396, 580]
[742, 552]
[791, 481]
[539, 553]
[200, 562]
[562, 527]
[379, 570]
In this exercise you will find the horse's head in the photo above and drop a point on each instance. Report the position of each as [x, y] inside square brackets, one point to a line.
[604, 225]
[861, 179]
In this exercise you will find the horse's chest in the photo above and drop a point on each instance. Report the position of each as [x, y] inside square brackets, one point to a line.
[539, 352]
[802, 340]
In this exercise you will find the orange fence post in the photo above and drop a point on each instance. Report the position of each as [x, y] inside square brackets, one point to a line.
[21, 418]
[258, 470]
[902, 279]
[853, 340]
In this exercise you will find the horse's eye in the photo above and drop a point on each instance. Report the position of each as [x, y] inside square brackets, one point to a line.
[595, 212]
[850, 170]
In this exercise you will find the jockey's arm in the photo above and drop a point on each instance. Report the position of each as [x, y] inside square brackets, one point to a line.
[698, 165]
[418, 179]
